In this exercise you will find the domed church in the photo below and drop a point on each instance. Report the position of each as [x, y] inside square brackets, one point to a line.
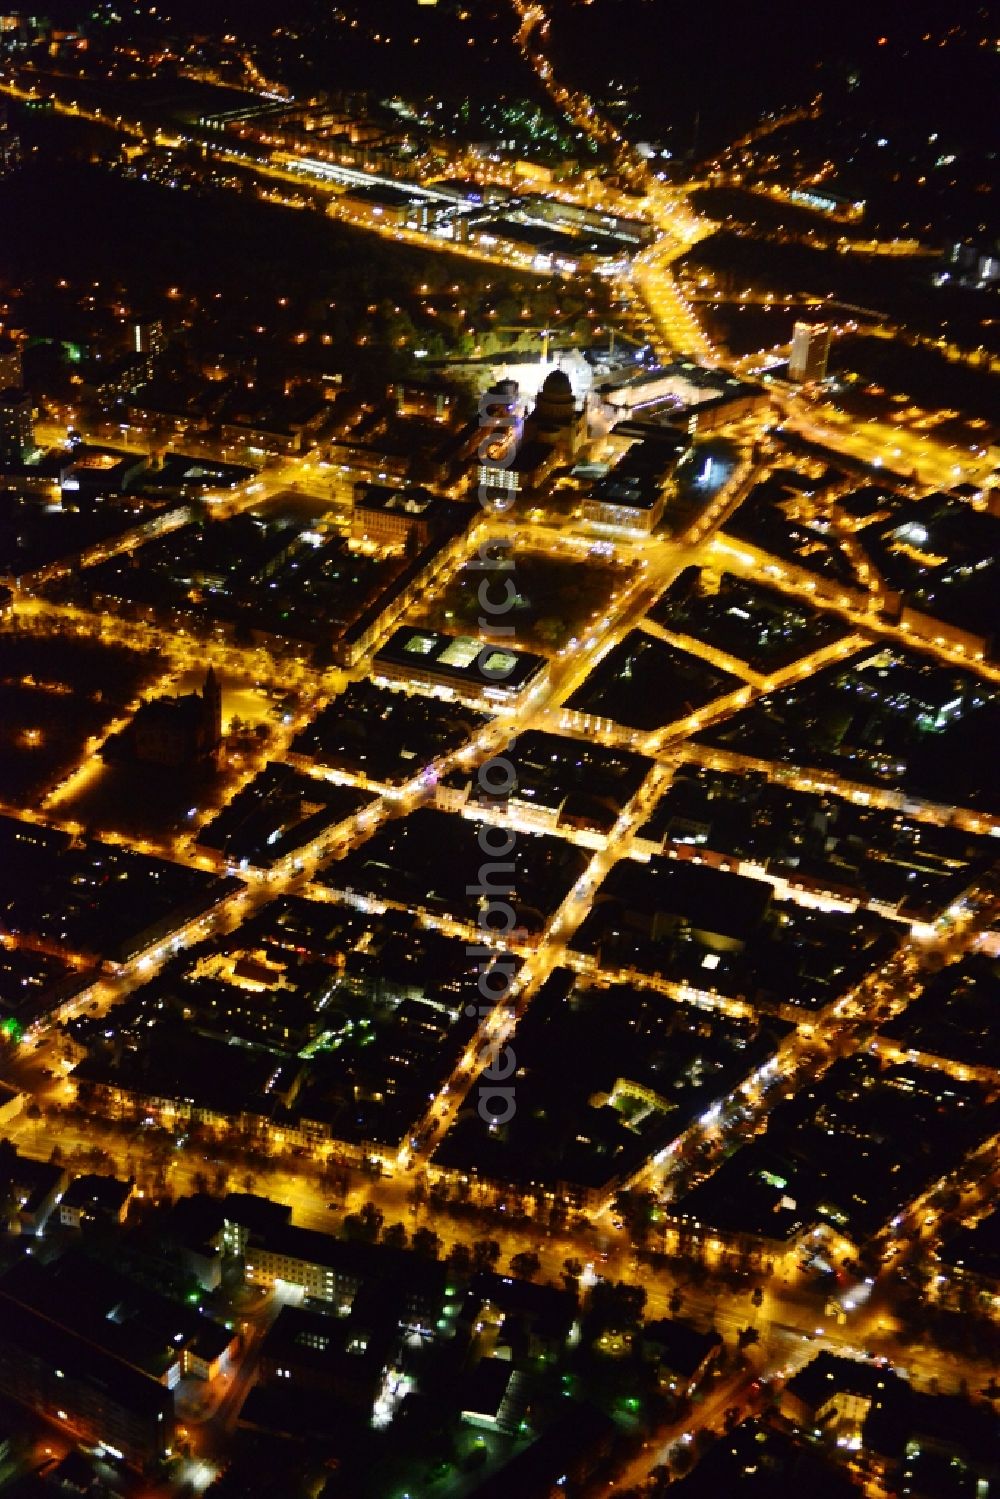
[556, 420]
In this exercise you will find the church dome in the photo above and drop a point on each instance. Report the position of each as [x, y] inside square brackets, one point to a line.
[556, 385]
[555, 399]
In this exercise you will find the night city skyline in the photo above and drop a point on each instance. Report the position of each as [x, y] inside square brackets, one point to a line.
[499, 695]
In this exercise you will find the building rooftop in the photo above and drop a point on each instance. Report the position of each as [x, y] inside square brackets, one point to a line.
[485, 1392]
[955, 1016]
[258, 1215]
[906, 1418]
[416, 503]
[547, 1309]
[30, 1181]
[124, 1317]
[747, 1195]
[550, 770]
[852, 1150]
[54, 1347]
[348, 1257]
[387, 735]
[385, 195]
[975, 1250]
[829, 1374]
[609, 1076]
[681, 1348]
[459, 658]
[329, 1346]
[94, 1195]
[756, 1461]
[430, 860]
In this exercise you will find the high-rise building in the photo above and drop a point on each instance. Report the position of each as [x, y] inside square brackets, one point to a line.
[147, 336]
[810, 352]
[10, 145]
[11, 373]
[17, 427]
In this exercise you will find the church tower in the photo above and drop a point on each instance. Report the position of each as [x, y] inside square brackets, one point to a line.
[211, 696]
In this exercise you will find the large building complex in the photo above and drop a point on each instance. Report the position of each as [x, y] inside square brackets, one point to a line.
[458, 666]
[76, 1385]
